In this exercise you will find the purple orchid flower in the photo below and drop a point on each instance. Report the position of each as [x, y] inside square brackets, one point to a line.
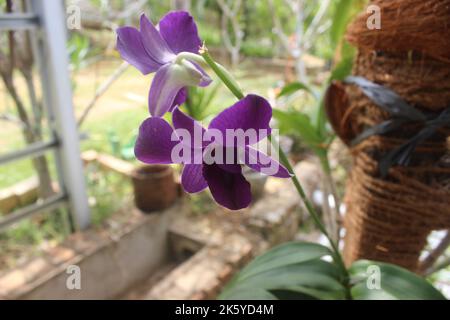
[166, 49]
[228, 186]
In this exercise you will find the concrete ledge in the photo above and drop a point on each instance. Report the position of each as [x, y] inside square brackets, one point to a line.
[114, 261]
[20, 194]
[277, 217]
[110, 262]
[228, 244]
[202, 276]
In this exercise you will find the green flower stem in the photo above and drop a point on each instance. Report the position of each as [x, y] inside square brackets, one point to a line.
[222, 73]
[312, 212]
[234, 88]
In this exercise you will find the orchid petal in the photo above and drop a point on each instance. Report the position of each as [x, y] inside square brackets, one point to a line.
[179, 99]
[131, 49]
[192, 178]
[228, 161]
[180, 32]
[206, 80]
[167, 83]
[230, 190]
[154, 143]
[163, 91]
[196, 75]
[154, 44]
[233, 168]
[250, 114]
[196, 131]
[264, 164]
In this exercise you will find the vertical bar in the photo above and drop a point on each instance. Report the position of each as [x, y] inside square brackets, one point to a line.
[54, 63]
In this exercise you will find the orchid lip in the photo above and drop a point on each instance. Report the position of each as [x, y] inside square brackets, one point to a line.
[192, 70]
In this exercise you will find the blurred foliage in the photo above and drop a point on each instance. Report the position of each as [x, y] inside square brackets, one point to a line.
[199, 100]
[25, 238]
[255, 49]
[298, 271]
[78, 47]
[310, 123]
[201, 203]
[108, 192]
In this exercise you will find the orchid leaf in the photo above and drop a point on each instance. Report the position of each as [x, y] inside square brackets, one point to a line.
[401, 113]
[340, 20]
[342, 69]
[250, 294]
[394, 283]
[402, 155]
[298, 123]
[298, 270]
[387, 99]
[379, 129]
[198, 102]
[294, 87]
[292, 269]
[283, 255]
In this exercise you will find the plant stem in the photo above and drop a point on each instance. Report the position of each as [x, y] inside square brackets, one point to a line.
[312, 212]
[335, 213]
[222, 74]
[234, 88]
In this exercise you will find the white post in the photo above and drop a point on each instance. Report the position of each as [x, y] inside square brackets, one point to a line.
[54, 63]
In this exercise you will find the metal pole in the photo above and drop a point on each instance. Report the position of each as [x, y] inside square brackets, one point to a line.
[32, 151]
[46, 204]
[18, 21]
[53, 56]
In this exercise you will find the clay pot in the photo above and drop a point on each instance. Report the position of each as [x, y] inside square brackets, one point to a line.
[154, 187]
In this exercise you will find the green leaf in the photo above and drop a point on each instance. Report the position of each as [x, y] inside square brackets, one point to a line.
[291, 268]
[298, 123]
[342, 69]
[395, 283]
[292, 293]
[284, 255]
[320, 120]
[198, 102]
[340, 20]
[294, 87]
[211, 94]
[252, 294]
[313, 277]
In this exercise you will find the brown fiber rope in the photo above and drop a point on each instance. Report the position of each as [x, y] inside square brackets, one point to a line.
[419, 25]
[389, 219]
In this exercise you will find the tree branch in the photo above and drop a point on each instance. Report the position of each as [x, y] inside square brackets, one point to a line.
[12, 119]
[101, 90]
[231, 13]
[434, 255]
[277, 27]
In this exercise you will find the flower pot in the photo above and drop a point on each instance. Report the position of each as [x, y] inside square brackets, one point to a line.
[154, 187]
[257, 182]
